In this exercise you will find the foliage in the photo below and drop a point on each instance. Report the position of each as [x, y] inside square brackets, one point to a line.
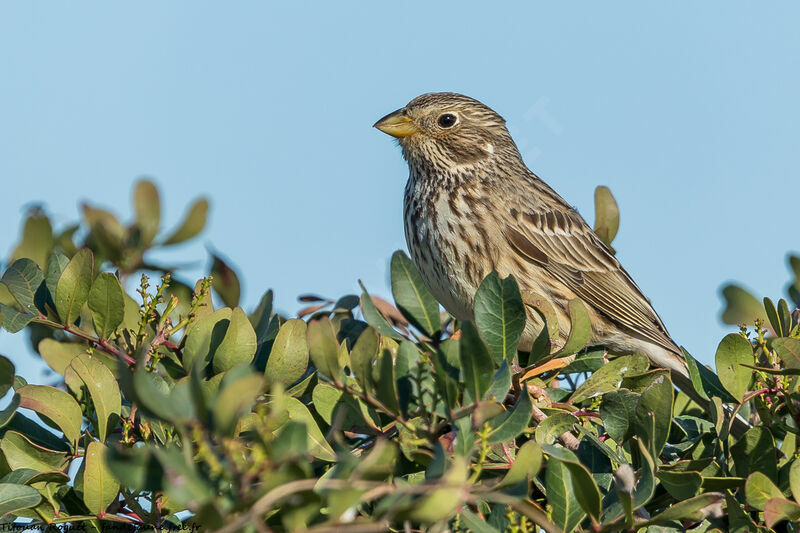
[361, 414]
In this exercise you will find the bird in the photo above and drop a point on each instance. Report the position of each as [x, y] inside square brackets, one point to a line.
[471, 206]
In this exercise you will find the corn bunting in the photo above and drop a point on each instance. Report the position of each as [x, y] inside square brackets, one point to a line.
[472, 207]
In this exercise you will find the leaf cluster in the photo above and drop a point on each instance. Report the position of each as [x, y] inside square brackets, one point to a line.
[176, 407]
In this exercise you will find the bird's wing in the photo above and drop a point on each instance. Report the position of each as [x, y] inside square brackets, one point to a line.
[560, 242]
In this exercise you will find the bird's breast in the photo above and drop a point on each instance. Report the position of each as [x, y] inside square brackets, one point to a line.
[449, 238]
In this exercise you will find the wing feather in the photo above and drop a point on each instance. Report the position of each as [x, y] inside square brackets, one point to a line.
[564, 245]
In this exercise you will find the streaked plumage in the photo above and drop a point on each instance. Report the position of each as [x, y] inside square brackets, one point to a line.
[472, 206]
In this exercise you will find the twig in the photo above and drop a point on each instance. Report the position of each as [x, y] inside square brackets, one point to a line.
[102, 344]
[367, 527]
[374, 402]
[268, 500]
[567, 438]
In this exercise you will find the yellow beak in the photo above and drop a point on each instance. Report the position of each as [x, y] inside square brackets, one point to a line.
[397, 124]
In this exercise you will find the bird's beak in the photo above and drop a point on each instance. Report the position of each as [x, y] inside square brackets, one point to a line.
[397, 124]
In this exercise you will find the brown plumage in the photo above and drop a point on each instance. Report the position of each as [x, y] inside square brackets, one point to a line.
[473, 207]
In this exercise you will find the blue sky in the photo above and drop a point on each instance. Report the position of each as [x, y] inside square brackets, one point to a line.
[689, 112]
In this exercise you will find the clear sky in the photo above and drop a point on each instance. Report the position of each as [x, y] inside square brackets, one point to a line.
[689, 112]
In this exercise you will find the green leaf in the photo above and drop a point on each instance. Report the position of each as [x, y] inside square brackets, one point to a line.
[412, 296]
[100, 488]
[20, 452]
[56, 405]
[73, 286]
[586, 490]
[23, 279]
[107, 235]
[780, 509]
[192, 224]
[363, 356]
[58, 355]
[561, 495]
[386, 385]
[288, 359]
[14, 320]
[500, 316]
[680, 485]
[647, 483]
[153, 394]
[785, 316]
[794, 479]
[326, 400]
[438, 504]
[626, 498]
[543, 342]
[586, 362]
[324, 349]
[733, 352]
[606, 215]
[654, 412]
[103, 389]
[738, 520]
[500, 384]
[55, 267]
[475, 523]
[406, 366]
[234, 400]
[511, 423]
[526, 465]
[204, 337]
[317, 445]
[37, 239]
[14, 498]
[238, 346]
[291, 441]
[107, 303]
[772, 315]
[609, 377]
[225, 282]
[554, 425]
[183, 481]
[758, 489]
[476, 363]
[35, 432]
[694, 509]
[147, 206]
[580, 330]
[136, 467]
[755, 451]
[262, 315]
[9, 411]
[741, 307]
[374, 318]
[706, 383]
[6, 375]
[788, 349]
[446, 373]
[618, 410]
[465, 437]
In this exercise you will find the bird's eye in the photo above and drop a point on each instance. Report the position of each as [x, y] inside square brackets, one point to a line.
[447, 120]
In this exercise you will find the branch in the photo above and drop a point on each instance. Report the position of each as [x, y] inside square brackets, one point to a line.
[102, 344]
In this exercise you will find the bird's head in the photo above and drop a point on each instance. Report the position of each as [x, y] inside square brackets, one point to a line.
[448, 130]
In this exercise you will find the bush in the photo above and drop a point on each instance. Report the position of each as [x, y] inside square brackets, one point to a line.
[362, 415]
